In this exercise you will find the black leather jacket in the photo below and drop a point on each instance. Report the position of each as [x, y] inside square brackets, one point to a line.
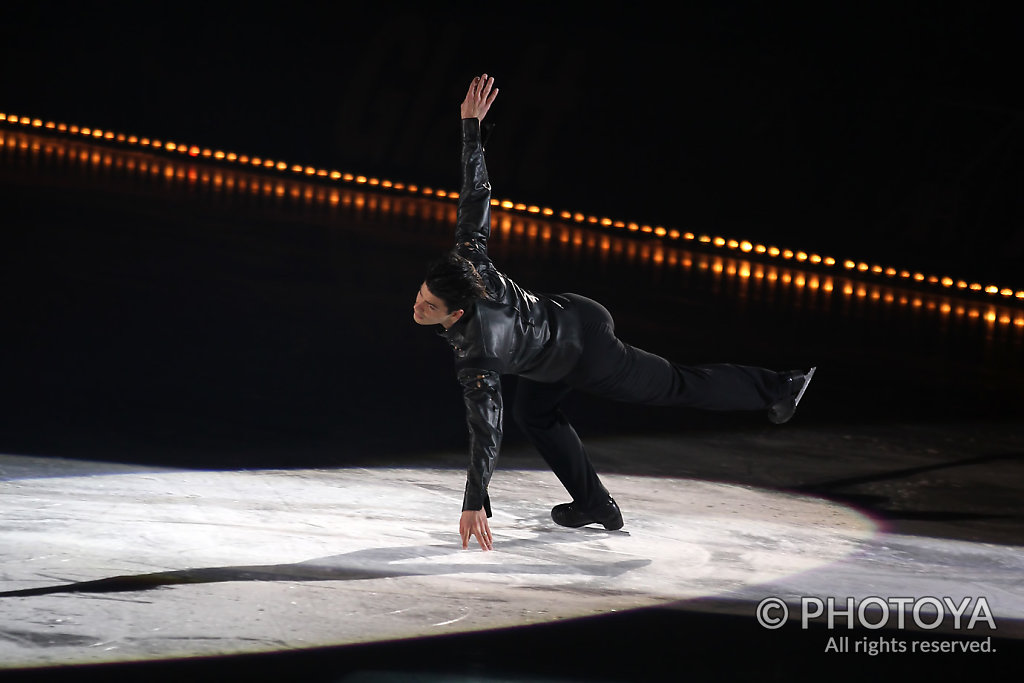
[513, 331]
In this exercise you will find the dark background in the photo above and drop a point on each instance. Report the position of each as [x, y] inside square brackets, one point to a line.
[884, 131]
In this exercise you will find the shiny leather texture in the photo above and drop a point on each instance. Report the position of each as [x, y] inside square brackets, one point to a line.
[513, 331]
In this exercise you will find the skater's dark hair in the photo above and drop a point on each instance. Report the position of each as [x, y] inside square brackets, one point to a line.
[454, 280]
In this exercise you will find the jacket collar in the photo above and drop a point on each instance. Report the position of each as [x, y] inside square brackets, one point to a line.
[458, 329]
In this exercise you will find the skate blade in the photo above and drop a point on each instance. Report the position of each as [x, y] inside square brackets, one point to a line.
[807, 382]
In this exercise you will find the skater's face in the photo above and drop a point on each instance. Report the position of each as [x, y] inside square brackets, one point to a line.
[432, 310]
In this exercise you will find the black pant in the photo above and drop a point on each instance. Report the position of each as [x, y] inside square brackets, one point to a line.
[615, 370]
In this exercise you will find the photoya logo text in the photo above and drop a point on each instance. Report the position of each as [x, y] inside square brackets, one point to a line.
[877, 612]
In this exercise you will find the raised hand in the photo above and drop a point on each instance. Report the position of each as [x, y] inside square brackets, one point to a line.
[479, 97]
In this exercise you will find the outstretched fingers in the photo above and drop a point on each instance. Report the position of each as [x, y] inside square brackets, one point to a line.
[486, 92]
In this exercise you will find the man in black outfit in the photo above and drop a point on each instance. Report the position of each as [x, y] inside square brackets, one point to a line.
[554, 344]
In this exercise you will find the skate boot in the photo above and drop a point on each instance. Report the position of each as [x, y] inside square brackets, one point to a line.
[571, 515]
[782, 410]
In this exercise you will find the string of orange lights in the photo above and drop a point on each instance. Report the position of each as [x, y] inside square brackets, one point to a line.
[751, 277]
[747, 247]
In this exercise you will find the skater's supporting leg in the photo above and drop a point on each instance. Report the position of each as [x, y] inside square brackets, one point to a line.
[536, 411]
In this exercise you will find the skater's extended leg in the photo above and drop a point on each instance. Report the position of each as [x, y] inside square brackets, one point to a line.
[613, 369]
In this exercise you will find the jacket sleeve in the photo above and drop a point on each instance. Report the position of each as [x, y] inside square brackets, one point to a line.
[473, 222]
[481, 390]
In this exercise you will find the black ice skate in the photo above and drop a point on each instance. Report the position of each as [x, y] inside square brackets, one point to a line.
[782, 410]
[570, 515]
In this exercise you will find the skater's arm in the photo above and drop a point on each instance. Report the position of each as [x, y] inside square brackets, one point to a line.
[481, 390]
[473, 222]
